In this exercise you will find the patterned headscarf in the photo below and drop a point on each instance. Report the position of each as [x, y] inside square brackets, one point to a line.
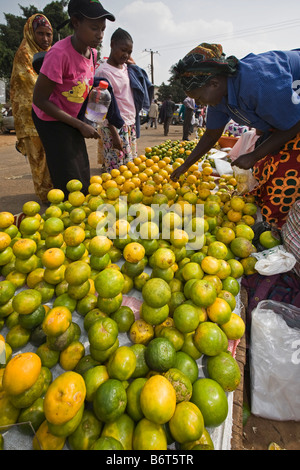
[40, 20]
[202, 63]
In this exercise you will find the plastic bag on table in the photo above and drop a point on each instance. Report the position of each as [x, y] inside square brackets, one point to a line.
[274, 261]
[245, 180]
[275, 361]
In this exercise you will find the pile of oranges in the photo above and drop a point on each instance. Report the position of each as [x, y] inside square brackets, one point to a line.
[81, 257]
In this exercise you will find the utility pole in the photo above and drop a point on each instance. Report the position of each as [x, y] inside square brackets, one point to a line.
[151, 66]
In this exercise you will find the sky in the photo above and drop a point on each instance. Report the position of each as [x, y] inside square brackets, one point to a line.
[171, 28]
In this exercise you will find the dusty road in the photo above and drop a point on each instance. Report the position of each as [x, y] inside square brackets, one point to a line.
[16, 188]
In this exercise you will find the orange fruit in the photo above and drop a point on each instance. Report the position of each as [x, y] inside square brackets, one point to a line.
[109, 283]
[45, 440]
[30, 208]
[53, 258]
[26, 367]
[26, 301]
[55, 196]
[186, 318]
[5, 240]
[93, 378]
[121, 364]
[148, 435]
[57, 321]
[210, 264]
[237, 203]
[225, 370]
[234, 216]
[77, 272]
[241, 247]
[236, 267]
[74, 185]
[74, 235]
[211, 400]
[134, 252]
[29, 226]
[158, 399]
[141, 332]
[234, 328]
[209, 339]
[187, 422]
[6, 219]
[268, 240]
[217, 250]
[64, 397]
[110, 400]
[53, 226]
[156, 292]
[219, 312]
[203, 293]
[7, 291]
[71, 355]
[249, 265]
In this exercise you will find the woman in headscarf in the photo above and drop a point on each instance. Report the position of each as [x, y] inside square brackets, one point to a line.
[258, 91]
[38, 36]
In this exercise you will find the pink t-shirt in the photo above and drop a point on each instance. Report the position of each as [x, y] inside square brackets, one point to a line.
[73, 75]
[119, 80]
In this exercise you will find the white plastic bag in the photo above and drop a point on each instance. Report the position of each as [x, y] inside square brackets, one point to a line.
[275, 361]
[274, 261]
[245, 180]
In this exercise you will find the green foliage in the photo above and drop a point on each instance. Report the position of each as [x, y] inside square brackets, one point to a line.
[174, 89]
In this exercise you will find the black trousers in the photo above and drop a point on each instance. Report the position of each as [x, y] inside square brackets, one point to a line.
[187, 123]
[66, 153]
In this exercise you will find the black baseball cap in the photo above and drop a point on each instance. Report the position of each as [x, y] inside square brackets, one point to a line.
[91, 9]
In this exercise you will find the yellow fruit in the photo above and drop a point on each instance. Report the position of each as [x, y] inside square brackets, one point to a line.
[64, 397]
[26, 367]
[158, 399]
[134, 252]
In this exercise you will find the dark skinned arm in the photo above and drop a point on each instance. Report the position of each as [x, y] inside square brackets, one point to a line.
[42, 91]
[205, 144]
[271, 145]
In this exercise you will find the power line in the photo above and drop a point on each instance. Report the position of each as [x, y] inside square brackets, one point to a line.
[238, 34]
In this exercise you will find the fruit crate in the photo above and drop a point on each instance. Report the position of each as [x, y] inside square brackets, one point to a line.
[227, 141]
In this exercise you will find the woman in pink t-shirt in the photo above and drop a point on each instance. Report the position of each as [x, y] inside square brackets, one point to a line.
[65, 80]
[118, 146]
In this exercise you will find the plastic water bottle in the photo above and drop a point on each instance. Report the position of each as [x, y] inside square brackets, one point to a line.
[98, 104]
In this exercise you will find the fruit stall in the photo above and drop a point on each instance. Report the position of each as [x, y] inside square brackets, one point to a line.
[122, 321]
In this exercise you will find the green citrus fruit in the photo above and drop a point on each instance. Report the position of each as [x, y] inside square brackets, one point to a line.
[211, 399]
[160, 354]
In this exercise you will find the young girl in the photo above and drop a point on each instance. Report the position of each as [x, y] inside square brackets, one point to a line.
[132, 90]
[64, 82]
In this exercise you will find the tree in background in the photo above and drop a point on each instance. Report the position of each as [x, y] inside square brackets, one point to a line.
[11, 34]
[174, 89]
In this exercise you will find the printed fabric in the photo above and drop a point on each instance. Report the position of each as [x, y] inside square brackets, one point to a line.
[73, 75]
[22, 82]
[278, 179]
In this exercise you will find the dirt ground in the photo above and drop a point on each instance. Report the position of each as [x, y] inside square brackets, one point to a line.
[16, 188]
